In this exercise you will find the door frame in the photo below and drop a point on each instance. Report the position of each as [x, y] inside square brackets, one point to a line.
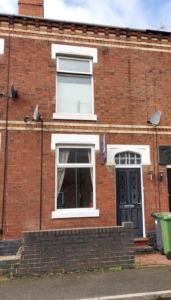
[142, 190]
[168, 167]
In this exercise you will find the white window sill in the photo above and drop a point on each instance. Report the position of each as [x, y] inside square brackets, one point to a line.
[75, 213]
[74, 117]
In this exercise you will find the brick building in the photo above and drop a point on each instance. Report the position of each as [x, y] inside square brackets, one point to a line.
[91, 159]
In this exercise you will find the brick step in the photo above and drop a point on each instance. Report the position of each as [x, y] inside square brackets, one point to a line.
[9, 247]
[141, 242]
[144, 250]
[141, 245]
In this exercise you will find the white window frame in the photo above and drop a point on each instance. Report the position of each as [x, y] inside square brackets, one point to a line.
[142, 150]
[88, 75]
[75, 58]
[2, 46]
[74, 52]
[74, 141]
[128, 158]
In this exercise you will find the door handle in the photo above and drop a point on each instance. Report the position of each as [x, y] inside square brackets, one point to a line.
[137, 204]
[129, 206]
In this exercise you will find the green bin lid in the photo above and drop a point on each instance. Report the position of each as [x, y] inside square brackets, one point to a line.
[163, 215]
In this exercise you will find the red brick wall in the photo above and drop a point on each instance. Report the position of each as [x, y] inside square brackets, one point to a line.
[130, 85]
[123, 94]
[31, 8]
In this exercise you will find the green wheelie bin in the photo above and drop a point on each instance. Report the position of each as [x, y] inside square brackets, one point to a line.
[159, 240]
[165, 221]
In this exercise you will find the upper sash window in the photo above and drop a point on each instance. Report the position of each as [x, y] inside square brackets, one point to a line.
[74, 86]
[74, 82]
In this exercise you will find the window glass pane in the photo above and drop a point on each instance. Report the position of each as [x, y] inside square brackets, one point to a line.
[75, 188]
[74, 65]
[74, 94]
[71, 155]
[127, 158]
[132, 161]
[122, 161]
[138, 161]
[117, 160]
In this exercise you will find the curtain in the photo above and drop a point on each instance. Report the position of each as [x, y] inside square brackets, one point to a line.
[74, 94]
[91, 169]
[61, 171]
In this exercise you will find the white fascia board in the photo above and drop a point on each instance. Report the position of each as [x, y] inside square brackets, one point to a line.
[58, 49]
[143, 150]
[2, 46]
[74, 139]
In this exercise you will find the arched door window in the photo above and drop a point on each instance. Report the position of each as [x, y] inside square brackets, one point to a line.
[127, 158]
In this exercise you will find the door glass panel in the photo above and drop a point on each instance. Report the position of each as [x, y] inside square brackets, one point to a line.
[123, 188]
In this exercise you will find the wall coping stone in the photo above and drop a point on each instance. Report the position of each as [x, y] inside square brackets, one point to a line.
[77, 231]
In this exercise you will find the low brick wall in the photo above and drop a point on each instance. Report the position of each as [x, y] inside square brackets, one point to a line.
[9, 247]
[76, 249]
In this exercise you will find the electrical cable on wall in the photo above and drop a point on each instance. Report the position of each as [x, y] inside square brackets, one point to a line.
[156, 146]
[3, 224]
[37, 118]
[41, 174]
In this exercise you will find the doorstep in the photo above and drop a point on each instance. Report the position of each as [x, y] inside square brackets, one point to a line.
[141, 245]
[139, 242]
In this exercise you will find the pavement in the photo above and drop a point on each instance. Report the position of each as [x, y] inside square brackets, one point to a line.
[143, 283]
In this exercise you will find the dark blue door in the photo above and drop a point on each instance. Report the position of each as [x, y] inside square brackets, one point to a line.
[129, 202]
